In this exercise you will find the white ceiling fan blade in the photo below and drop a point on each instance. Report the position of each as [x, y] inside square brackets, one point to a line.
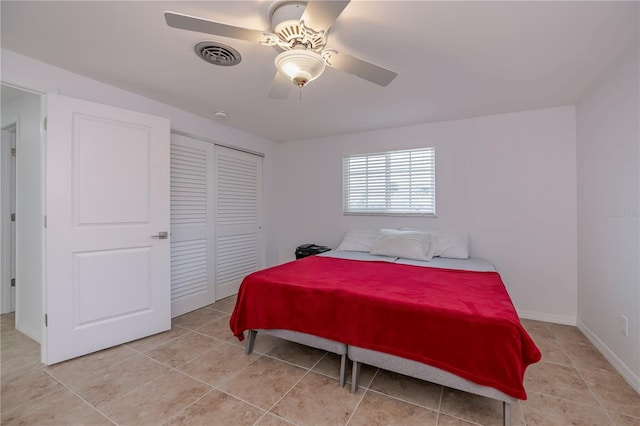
[280, 87]
[320, 15]
[363, 69]
[192, 23]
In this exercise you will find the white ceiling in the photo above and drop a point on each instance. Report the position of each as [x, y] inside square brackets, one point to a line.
[453, 59]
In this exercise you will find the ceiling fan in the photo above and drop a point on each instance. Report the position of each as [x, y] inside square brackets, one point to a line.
[300, 31]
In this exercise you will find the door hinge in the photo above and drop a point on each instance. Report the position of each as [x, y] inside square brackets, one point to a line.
[46, 320]
[13, 217]
[13, 152]
[13, 282]
[45, 123]
[45, 221]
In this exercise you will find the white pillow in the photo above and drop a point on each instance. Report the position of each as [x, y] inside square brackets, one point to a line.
[358, 240]
[454, 245]
[405, 244]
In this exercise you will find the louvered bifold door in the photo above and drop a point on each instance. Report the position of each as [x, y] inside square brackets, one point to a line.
[238, 218]
[192, 229]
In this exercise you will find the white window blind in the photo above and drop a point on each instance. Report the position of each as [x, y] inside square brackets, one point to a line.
[391, 183]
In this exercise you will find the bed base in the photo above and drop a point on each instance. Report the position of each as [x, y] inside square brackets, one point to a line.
[308, 340]
[424, 372]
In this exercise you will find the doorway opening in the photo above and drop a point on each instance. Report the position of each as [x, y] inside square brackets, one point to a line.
[8, 170]
[21, 234]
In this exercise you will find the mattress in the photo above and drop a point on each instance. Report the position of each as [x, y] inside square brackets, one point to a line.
[470, 264]
[357, 255]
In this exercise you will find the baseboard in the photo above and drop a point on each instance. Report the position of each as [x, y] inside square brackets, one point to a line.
[29, 331]
[625, 372]
[539, 316]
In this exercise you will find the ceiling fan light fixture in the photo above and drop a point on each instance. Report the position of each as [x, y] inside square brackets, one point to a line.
[300, 65]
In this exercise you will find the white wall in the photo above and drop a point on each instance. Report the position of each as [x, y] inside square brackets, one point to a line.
[608, 152]
[24, 72]
[509, 180]
[24, 112]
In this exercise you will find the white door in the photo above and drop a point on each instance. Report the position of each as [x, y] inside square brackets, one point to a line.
[238, 209]
[107, 200]
[192, 230]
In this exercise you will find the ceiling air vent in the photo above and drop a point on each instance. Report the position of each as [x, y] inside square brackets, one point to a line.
[218, 53]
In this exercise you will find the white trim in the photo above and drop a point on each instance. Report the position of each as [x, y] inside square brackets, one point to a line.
[5, 231]
[24, 89]
[541, 316]
[29, 331]
[625, 372]
[203, 139]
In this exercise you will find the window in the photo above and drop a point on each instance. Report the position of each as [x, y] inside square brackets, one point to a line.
[391, 183]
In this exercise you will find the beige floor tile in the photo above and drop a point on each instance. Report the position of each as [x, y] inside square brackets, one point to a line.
[156, 402]
[329, 365]
[69, 371]
[119, 379]
[407, 388]
[538, 330]
[19, 355]
[196, 319]
[56, 409]
[444, 420]
[264, 343]
[567, 333]
[224, 305]
[307, 403]
[27, 387]
[183, 349]
[553, 352]
[134, 393]
[613, 392]
[7, 322]
[16, 341]
[218, 408]
[586, 357]
[378, 409]
[301, 355]
[219, 364]
[477, 409]
[622, 420]
[560, 381]
[273, 420]
[217, 328]
[264, 382]
[8, 334]
[367, 374]
[543, 410]
[148, 343]
[234, 341]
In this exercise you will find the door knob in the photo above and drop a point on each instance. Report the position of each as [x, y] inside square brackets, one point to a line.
[161, 235]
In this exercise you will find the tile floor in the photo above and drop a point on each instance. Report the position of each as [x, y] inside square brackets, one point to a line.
[198, 374]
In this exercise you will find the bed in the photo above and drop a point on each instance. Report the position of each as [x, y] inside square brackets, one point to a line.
[442, 323]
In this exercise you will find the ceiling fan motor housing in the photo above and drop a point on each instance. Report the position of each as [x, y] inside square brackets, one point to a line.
[285, 22]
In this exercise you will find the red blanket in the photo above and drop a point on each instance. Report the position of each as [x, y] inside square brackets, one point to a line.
[462, 322]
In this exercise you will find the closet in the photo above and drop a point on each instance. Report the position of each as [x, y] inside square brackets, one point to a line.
[216, 213]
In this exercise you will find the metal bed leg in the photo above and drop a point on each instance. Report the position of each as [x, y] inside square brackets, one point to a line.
[506, 413]
[343, 370]
[250, 341]
[355, 375]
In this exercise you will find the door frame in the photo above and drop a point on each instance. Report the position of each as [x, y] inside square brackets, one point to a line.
[36, 333]
[7, 188]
